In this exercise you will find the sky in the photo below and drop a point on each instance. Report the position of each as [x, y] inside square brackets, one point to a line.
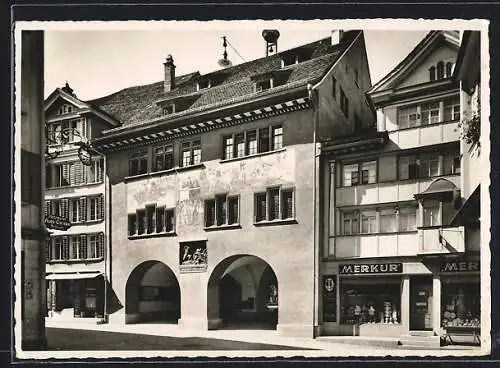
[97, 62]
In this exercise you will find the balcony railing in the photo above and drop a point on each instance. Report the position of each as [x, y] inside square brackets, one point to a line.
[441, 240]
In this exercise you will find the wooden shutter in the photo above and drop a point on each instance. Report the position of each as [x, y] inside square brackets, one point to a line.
[100, 207]
[82, 203]
[78, 179]
[100, 245]
[65, 208]
[83, 245]
[100, 169]
[65, 180]
[48, 208]
[65, 248]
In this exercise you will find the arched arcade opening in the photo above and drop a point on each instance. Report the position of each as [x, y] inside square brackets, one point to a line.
[243, 293]
[152, 294]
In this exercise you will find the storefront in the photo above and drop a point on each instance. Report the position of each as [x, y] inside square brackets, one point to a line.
[391, 299]
[75, 295]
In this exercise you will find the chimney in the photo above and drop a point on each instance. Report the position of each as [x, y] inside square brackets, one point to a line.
[337, 36]
[169, 82]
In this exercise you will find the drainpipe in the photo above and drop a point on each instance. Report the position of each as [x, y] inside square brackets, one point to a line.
[313, 97]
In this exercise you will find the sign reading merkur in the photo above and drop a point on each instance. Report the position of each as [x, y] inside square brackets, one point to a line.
[355, 269]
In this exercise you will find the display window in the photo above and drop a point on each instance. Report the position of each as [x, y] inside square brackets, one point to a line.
[370, 301]
[460, 304]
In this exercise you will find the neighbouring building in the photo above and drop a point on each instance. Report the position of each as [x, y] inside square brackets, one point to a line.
[393, 263]
[213, 186]
[75, 191]
[29, 285]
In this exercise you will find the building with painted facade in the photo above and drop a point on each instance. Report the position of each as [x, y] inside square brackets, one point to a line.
[75, 191]
[213, 186]
[394, 263]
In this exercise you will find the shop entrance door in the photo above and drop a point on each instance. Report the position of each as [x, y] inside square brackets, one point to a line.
[421, 303]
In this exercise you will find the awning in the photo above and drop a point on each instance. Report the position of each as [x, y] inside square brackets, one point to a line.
[470, 209]
[440, 189]
[72, 275]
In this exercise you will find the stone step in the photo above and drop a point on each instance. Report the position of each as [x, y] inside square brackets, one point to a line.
[420, 341]
[421, 333]
[386, 343]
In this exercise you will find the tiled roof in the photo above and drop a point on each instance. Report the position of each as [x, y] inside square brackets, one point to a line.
[136, 106]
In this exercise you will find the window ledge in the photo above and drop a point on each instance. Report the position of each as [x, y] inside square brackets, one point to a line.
[222, 227]
[164, 172]
[76, 186]
[89, 222]
[436, 227]
[152, 235]
[71, 261]
[424, 126]
[252, 156]
[276, 222]
[374, 234]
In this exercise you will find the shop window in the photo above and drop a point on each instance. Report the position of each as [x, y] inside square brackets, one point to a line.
[252, 142]
[151, 220]
[138, 162]
[274, 204]
[191, 153]
[221, 211]
[431, 213]
[370, 301]
[360, 173]
[163, 158]
[460, 304]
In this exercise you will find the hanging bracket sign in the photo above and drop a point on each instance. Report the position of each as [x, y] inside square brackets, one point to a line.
[57, 222]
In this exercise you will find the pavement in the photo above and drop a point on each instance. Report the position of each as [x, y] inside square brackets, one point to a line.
[293, 346]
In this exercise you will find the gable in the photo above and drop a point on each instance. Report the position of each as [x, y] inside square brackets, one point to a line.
[420, 74]
[60, 106]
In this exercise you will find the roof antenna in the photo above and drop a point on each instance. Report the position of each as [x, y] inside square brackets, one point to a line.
[224, 62]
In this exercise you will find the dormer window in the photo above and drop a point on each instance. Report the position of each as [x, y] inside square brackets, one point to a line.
[169, 109]
[264, 85]
[203, 84]
[449, 69]
[441, 70]
[432, 73]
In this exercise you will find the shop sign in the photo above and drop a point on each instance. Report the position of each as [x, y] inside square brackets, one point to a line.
[329, 298]
[373, 268]
[57, 222]
[460, 266]
[193, 256]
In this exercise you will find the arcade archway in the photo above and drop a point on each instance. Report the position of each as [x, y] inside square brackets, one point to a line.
[243, 293]
[152, 294]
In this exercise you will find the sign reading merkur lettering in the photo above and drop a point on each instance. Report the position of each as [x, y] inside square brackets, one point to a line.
[460, 266]
[355, 269]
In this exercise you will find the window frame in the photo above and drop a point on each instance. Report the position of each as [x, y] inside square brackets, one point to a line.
[258, 218]
[168, 151]
[219, 204]
[190, 147]
[417, 159]
[265, 135]
[138, 157]
[151, 223]
[359, 172]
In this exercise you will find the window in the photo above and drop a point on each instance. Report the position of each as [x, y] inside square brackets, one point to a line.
[138, 162]
[334, 87]
[429, 165]
[75, 247]
[440, 70]
[431, 213]
[153, 219]
[65, 109]
[163, 158]
[449, 69]
[432, 73]
[368, 222]
[407, 218]
[204, 83]
[451, 163]
[95, 172]
[408, 117]
[452, 109]
[77, 210]
[95, 208]
[429, 113]
[263, 85]
[360, 173]
[168, 109]
[252, 142]
[65, 248]
[221, 211]
[388, 220]
[350, 223]
[191, 153]
[344, 103]
[274, 204]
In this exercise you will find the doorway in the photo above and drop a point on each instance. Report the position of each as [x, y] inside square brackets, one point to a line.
[421, 304]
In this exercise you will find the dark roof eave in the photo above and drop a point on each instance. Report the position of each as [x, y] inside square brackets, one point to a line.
[158, 122]
[469, 210]
[358, 145]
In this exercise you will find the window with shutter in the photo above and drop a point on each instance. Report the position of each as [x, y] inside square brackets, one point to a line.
[83, 251]
[65, 208]
[65, 248]
[47, 208]
[92, 239]
[83, 208]
[65, 175]
[100, 207]
[100, 244]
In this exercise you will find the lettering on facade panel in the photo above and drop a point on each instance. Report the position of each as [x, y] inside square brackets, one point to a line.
[193, 256]
[352, 269]
[329, 298]
[460, 266]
